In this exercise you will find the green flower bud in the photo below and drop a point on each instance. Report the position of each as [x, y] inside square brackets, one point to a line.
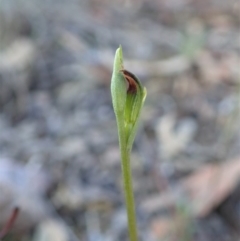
[128, 96]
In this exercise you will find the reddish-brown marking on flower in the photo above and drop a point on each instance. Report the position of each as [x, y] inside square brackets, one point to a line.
[132, 81]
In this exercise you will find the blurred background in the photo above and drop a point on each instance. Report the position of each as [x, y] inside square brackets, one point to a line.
[59, 156]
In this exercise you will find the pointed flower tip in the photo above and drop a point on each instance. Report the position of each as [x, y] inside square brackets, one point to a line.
[120, 48]
[119, 58]
[119, 53]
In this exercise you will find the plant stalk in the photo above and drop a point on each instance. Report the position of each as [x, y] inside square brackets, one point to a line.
[128, 187]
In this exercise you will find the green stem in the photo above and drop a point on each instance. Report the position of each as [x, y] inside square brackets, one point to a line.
[129, 196]
[128, 188]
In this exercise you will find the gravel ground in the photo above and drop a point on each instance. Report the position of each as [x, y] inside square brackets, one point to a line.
[59, 156]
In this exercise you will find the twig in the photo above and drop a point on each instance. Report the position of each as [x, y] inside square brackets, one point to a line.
[5, 230]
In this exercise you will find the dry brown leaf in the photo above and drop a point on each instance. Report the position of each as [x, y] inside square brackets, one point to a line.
[173, 228]
[210, 186]
[203, 190]
[161, 227]
[217, 71]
